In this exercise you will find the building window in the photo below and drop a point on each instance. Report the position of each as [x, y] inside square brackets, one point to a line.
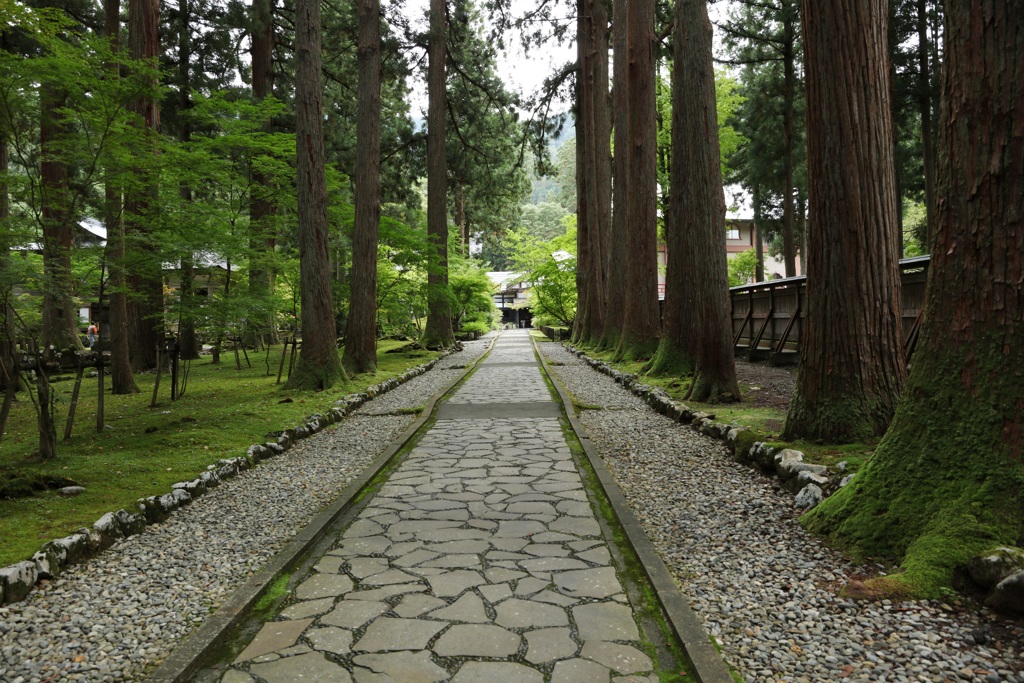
[733, 233]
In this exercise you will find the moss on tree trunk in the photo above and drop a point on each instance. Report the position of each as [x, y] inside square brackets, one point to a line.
[946, 481]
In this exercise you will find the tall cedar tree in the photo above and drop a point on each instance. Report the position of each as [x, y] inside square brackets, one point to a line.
[319, 365]
[945, 481]
[122, 379]
[615, 255]
[642, 321]
[143, 274]
[852, 368]
[697, 331]
[60, 317]
[361, 327]
[262, 208]
[594, 130]
[438, 331]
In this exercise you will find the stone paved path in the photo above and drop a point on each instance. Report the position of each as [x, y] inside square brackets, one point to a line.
[478, 561]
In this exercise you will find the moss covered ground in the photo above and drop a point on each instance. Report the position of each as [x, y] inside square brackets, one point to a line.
[143, 450]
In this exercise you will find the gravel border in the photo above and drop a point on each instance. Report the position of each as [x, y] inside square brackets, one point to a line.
[763, 587]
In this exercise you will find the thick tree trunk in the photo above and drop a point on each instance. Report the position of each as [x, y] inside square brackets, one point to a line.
[597, 173]
[615, 275]
[582, 217]
[122, 380]
[944, 483]
[262, 208]
[319, 365]
[143, 272]
[789, 96]
[438, 332]
[757, 236]
[924, 104]
[187, 343]
[642, 321]
[852, 368]
[60, 317]
[697, 333]
[361, 329]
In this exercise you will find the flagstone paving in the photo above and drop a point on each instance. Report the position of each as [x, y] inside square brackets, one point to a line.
[479, 560]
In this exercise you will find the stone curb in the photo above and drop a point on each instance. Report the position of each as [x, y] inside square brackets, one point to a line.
[810, 483]
[19, 579]
[707, 664]
[190, 655]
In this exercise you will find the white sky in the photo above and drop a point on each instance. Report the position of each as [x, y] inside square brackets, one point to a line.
[526, 71]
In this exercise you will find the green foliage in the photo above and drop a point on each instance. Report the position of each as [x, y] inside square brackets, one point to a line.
[550, 268]
[742, 267]
[473, 304]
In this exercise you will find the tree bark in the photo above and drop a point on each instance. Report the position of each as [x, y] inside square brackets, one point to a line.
[143, 271]
[756, 236]
[944, 483]
[697, 333]
[361, 328]
[615, 275]
[641, 323]
[438, 332]
[122, 380]
[262, 208]
[924, 104]
[60, 317]
[789, 97]
[852, 368]
[319, 365]
[596, 169]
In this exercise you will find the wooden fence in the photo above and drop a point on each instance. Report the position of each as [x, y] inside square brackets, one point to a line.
[767, 317]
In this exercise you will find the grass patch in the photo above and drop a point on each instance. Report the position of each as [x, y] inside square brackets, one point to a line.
[146, 450]
[766, 421]
[274, 593]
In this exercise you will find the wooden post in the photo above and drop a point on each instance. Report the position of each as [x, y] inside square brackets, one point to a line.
[159, 372]
[69, 425]
[284, 354]
[173, 350]
[291, 362]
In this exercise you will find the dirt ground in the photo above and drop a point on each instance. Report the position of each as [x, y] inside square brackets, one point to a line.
[764, 385]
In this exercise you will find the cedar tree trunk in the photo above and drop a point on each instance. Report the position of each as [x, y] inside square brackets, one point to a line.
[697, 332]
[615, 254]
[60, 317]
[945, 482]
[438, 332]
[143, 271]
[789, 100]
[642, 320]
[262, 209]
[361, 327]
[122, 380]
[852, 368]
[592, 119]
[319, 365]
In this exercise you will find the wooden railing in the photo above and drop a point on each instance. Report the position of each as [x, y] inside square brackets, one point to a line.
[767, 317]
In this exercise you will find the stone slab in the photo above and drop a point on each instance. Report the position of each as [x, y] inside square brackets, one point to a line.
[275, 635]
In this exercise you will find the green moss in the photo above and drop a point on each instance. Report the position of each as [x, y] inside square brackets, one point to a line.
[837, 420]
[275, 592]
[942, 486]
[669, 361]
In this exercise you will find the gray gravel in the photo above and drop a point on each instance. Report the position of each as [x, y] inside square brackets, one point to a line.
[119, 614]
[414, 394]
[763, 587]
